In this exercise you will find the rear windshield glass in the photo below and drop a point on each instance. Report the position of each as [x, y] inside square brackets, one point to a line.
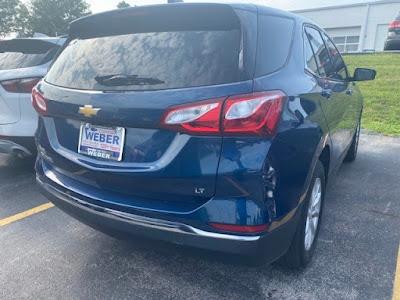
[18, 54]
[149, 61]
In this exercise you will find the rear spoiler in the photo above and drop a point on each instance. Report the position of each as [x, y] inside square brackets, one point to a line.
[29, 46]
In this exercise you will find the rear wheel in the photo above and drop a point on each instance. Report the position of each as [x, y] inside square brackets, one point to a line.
[352, 152]
[305, 238]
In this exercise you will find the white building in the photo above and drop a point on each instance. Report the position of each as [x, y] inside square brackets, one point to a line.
[356, 27]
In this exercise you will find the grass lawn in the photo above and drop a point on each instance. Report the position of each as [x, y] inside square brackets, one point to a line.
[381, 96]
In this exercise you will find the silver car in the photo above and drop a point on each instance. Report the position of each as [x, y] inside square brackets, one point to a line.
[23, 62]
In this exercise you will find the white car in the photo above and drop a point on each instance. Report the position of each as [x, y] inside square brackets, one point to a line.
[23, 62]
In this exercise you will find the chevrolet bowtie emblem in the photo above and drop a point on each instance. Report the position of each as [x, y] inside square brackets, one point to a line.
[88, 110]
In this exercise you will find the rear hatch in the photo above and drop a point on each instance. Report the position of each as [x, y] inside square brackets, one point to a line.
[118, 74]
[21, 67]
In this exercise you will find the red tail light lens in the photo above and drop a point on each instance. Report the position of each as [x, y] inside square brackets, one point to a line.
[395, 24]
[239, 228]
[11, 86]
[39, 102]
[255, 114]
[201, 118]
[24, 85]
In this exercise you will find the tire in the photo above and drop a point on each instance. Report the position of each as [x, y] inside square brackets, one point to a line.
[352, 152]
[301, 250]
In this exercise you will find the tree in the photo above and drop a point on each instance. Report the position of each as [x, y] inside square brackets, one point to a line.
[22, 20]
[123, 4]
[8, 13]
[52, 17]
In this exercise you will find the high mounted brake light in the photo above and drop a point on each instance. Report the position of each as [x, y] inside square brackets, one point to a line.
[255, 114]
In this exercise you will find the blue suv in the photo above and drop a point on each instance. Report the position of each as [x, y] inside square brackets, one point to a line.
[209, 125]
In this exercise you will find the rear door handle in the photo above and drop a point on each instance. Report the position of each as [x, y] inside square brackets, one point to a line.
[349, 92]
[327, 93]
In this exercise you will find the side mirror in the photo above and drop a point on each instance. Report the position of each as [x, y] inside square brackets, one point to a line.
[362, 74]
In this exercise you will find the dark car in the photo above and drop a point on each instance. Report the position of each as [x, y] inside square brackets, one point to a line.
[393, 38]
[210, 125]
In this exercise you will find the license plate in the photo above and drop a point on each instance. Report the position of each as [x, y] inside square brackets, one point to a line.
[101, 142]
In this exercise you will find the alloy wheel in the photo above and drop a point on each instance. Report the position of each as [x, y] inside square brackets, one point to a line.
[313, 214]
[357, 136]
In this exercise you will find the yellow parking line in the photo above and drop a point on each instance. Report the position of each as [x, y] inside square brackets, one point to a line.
[396, 288]
[25, 214]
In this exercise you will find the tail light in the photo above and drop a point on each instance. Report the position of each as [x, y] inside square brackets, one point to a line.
[395, 24]
[39, 102]
[11, 86]
[255, 114]
[24, 85]
[202, 118]
[239, 228]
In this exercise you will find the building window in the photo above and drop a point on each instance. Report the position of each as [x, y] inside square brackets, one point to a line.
[347, 43]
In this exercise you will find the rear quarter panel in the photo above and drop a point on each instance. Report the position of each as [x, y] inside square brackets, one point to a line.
[302, 135]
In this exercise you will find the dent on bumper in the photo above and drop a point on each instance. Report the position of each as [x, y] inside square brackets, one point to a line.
[272, 245]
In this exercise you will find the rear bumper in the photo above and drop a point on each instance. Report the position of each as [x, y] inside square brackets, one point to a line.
[393, 43]
[271, 245]
[13, 145]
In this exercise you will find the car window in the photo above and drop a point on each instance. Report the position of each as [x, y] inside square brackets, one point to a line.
[325, 67]
[16, 54]
[274, 43]
[161, 48]
[311, 63]
[340, 70]
[159, 60]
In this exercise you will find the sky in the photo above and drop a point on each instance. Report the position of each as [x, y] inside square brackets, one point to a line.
[103, 5]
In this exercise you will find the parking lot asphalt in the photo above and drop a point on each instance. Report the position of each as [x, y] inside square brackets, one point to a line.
[49, 255]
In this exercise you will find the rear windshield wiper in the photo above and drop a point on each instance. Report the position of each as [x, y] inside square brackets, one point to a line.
[121, 79]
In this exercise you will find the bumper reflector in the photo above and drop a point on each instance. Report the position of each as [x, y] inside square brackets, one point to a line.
[239, 228]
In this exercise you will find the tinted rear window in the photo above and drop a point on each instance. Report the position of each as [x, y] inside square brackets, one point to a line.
[274, 43]
[159, 60]
[16, 54]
